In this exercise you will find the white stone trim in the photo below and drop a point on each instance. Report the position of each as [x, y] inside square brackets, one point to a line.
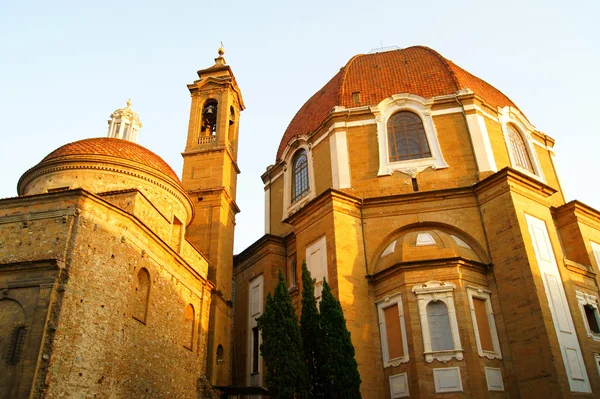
[340, 164]
[557, 302]
[476, 292]
[596, 251]
[386, 302]
[447, 380]
[288, 169]
[399, 386]
[473, 107]
[421, 107]
[482, 146]
[587, 299]
[268, 210]
[254, 379]
[511, 116]
[493, 377]
[446, 111]
[438, 291]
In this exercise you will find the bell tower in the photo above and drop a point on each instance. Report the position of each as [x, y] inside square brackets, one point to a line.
[210, 176]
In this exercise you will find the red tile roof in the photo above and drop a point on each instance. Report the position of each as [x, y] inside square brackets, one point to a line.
[116, 148]
[415, 70]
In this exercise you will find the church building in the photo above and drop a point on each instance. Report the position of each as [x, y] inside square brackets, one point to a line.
[421, 193]
[433, 208]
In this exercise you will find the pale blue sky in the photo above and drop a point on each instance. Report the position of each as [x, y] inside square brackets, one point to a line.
[65, 66]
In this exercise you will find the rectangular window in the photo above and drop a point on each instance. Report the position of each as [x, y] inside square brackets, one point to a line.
[392, 330]
[255, 309]
[484, 326]
[316, 262]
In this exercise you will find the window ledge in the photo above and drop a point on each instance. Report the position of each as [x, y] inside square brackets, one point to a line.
[490, 355]
[594, 336]
[411, 167]
[443, 356]
[396, 362]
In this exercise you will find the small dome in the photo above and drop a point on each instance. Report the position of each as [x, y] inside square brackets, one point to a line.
[415, 70]
[111, 147]
[422, 245]
[126, 112]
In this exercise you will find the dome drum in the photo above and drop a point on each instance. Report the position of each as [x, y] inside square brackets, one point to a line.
[106, 164]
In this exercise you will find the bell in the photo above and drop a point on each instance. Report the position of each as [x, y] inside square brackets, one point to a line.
[209, 110]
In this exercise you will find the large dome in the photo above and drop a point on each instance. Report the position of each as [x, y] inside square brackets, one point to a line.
[112, 147]
[416, 70]
[109, 165]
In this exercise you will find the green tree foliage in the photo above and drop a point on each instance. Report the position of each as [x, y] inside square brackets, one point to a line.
[311, 332]
[338, 367]
[281, 347]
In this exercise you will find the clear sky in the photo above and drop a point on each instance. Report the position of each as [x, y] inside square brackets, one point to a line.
[65, 66]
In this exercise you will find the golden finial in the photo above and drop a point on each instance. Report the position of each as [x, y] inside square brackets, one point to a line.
[128, 102]
[221, 50]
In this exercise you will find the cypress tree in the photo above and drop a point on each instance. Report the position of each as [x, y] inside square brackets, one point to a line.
[339, 370]
[311, 331]
[281, 346]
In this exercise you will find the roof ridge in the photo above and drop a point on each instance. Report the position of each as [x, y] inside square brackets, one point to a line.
[343, 78]
[444, 61]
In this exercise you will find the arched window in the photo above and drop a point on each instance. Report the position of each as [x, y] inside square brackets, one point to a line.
[406, 137]
[188, 327]
[220, 354]
[300, 183]
[209, 117]
[142, 295]
[439, 326]
[518, 149]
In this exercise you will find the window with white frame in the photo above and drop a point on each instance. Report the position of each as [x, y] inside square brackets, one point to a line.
[255, 309]
[521, 149]
[484, 325]
[316, 262]
[518, 149]
[392, 330]
[300, 182]
[588, 304]
[407, 136]
[298, 175]
[441, 340]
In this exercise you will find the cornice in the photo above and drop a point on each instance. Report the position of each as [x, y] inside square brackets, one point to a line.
[216, 190]
[580, 269]
[264, 246]
[317, 204]
[582, 212]
[429, 264]
[513, 176]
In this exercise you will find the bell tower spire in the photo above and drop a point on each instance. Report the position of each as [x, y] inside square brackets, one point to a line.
[210, 176]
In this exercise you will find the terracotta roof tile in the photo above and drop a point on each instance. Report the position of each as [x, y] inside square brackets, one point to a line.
[116, 148]
[416, 70]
